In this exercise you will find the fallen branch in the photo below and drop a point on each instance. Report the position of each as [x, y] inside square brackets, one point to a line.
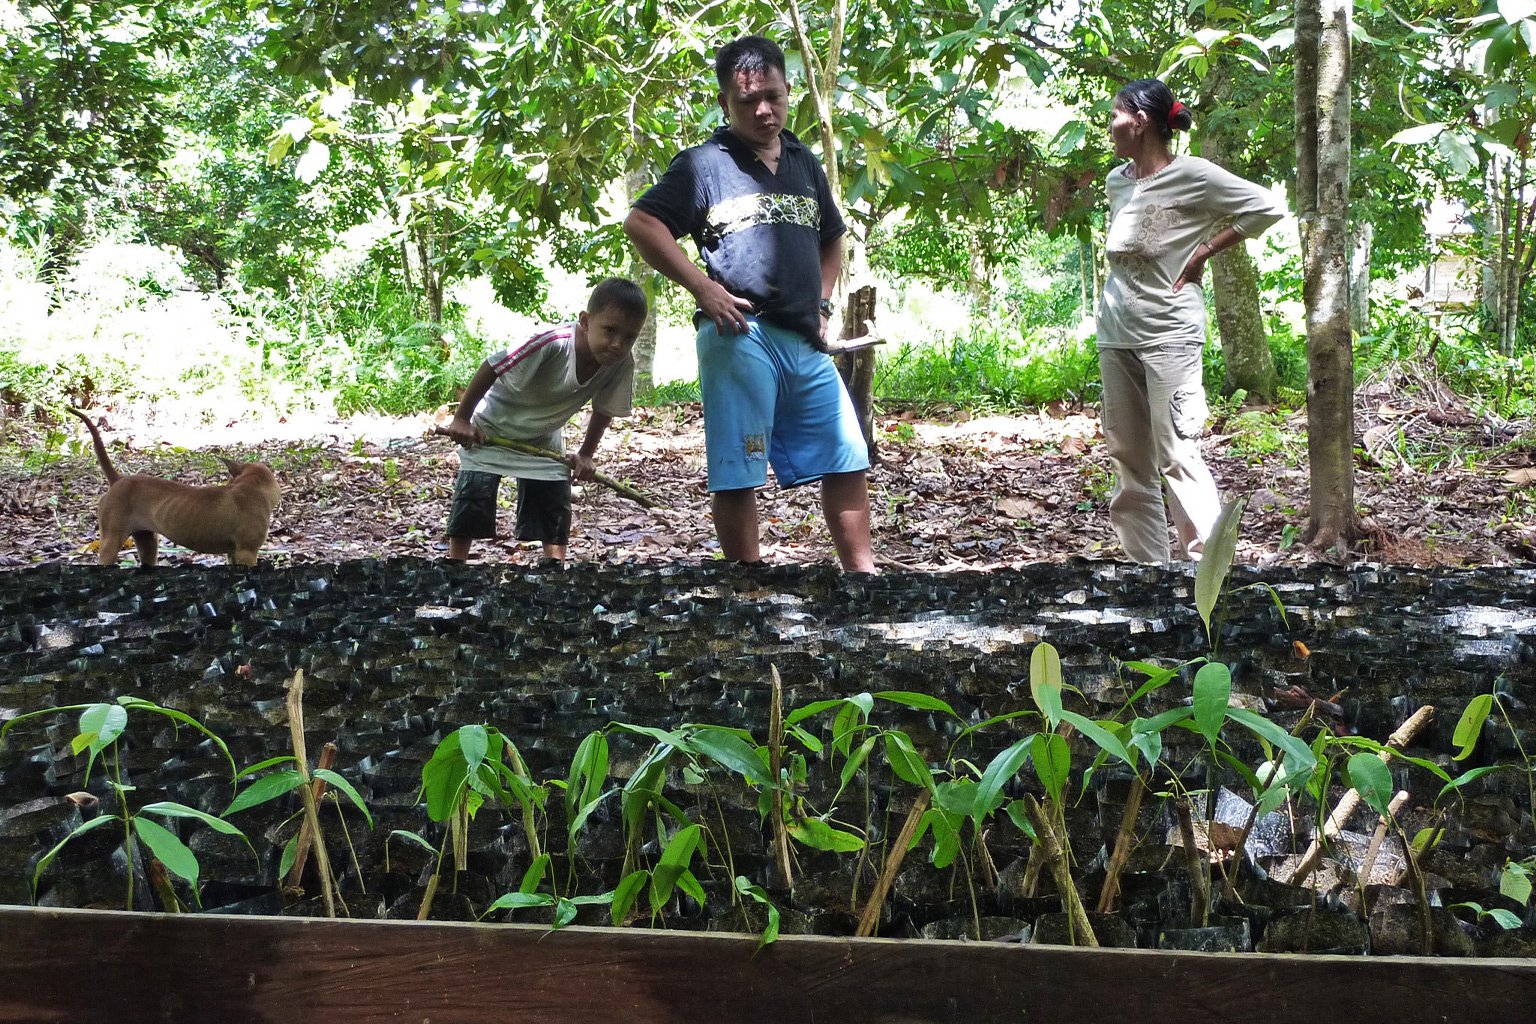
[1122, 853]
[1377, 838]
[306, 837]
[1199, 890]
[776, 767]
[1351, 800]
[893, 858]
[620, 488]
[1055, 859]
[311, 808]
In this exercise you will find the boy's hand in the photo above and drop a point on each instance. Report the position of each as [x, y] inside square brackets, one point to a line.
[583, 467]
[464, 432]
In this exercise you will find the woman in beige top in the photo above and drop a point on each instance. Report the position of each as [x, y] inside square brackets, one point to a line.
[1168, 215]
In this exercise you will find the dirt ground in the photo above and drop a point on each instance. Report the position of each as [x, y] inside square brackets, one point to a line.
[950, 491]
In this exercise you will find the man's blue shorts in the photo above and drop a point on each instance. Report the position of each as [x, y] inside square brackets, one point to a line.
[771, 399]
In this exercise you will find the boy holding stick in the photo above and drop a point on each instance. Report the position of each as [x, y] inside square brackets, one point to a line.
[528, 393]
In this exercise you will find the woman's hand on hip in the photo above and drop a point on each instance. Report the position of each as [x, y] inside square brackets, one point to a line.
[1193, 271]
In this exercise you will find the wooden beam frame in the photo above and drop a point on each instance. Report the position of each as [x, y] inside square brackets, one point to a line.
[85, 966]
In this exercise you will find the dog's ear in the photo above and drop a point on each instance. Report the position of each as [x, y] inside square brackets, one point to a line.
[235, 468]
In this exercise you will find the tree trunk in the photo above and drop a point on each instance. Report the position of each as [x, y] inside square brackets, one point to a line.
[641, 273]
[980, 284]
[1235, 282]
[858, 368]
[1361, 241]
[1322, 176]
[1244, 345]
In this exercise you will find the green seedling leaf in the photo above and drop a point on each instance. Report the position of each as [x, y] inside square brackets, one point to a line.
[1507, 918]
[855, 762]
[1216, 561]
[1470, 726]
[958, 797]
[1157, 677]
[1045, 681]
[946, 841]
[443, 777]
[181, 717]
[1053, 762]
[1106, 740]
[80, 830]
[1422, 840]
[731, 752]
[100, 726]
[989, 722]
[535, 874]
[644, 787]
[746, 888]
[806, 739]
[818, 835]
[920, 701]
[262, 766]
[589, 770]
[268, 787]
[473, 743]
[411, 837]
[519, 900]
[906, 762]
[290, 856]
[1469, 776]
[800, 714]
[1515, 883]
[1149, 742]
[626, 893]
[689, 883]
[1213, 691]
[674, 861]
[169, 850]
[171, 809]
[1020, 818]
[989, 791]
[338, 783]
[1298, 756]
[661, 736]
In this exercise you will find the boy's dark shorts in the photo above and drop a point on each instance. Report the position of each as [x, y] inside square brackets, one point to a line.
[543, 508]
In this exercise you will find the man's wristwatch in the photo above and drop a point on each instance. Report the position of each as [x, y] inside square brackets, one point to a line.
[825, 305]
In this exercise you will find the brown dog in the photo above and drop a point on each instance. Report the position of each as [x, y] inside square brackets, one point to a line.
[230, 519]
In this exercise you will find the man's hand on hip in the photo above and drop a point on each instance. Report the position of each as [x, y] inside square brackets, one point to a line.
[729, 312]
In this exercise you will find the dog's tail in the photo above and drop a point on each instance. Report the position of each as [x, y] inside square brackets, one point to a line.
[107, 468]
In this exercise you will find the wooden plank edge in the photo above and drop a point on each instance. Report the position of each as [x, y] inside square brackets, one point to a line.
[89, 965]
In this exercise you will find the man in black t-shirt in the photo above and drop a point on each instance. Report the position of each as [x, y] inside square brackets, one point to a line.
[756, 203]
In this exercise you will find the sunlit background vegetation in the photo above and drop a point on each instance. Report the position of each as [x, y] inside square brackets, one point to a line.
[209, 211]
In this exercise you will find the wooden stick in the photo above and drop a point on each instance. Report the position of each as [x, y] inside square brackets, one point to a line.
[1351, 800]
[1061, 871]
[893, 858]
[1122, 853]
[618, 487]
[306, 837]
[311, 808]
[1199, 893]
[776, 766]
[1378, 837]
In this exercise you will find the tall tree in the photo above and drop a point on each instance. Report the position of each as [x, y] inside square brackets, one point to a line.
[1322, 206]
[82, 100]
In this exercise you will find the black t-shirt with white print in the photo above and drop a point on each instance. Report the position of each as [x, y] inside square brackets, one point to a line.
[760, 233]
